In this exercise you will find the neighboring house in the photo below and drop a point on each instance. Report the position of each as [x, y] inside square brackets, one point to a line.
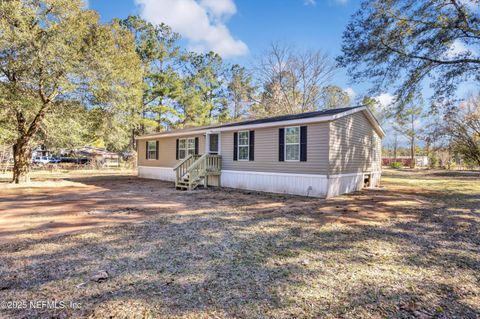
[98, 156]
[39, 151]
[321, 154]
[420, 161]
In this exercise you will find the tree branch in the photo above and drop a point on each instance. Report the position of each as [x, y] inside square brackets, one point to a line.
[420, 57]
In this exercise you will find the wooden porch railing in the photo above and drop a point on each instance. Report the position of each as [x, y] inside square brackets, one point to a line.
[194, 170]
[181, 169]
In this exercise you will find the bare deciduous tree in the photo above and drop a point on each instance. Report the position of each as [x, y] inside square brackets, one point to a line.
[292, 80]
[462, 125]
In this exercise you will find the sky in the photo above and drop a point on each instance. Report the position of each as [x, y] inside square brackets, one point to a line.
[240, 30]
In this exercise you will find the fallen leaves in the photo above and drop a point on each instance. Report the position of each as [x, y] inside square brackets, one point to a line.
[223, 253]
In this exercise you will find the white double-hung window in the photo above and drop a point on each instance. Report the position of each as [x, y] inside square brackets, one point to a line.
[292, 143]
[243, 145]
[151, 150]
[182, 148]
[190, 146]
[186, 146]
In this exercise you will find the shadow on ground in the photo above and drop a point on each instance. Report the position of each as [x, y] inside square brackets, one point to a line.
[226, 253]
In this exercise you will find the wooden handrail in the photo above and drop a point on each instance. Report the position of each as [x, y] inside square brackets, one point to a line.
[184, 160]
[197, 167]
[197, 162]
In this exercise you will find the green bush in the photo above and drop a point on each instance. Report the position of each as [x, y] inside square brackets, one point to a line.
[395, 165]
[433, 161]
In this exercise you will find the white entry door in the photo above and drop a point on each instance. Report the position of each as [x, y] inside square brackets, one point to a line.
[213, 143]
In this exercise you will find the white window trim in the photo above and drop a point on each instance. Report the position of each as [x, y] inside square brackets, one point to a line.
[299, 142]
[248, 146]
[148, 151]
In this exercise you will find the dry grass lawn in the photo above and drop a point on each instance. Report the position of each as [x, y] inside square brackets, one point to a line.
[123, 247]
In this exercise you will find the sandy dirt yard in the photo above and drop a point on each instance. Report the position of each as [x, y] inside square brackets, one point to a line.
[116, 246]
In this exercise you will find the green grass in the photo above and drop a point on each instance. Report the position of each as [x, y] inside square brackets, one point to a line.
[450, 188]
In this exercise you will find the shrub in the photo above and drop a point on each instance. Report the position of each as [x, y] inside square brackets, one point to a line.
[395, 165]
[433, 161]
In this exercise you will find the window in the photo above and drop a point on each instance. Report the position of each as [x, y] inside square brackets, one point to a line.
[292, 143]
[182, 148]
[186, 146]
[151, 150]
[243, 145]
[190, 146]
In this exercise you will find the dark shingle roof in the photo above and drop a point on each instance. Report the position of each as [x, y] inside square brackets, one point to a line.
[281, 118]
[181, 130]
[290, 117]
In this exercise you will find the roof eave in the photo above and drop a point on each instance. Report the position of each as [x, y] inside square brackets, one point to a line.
[373, 120]
[315, 119]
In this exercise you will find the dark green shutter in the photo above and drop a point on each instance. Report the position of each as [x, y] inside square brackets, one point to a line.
[303, 144]
[156, 150]
[146, 150]
[281, 144]
[235, 146]
[196, 145]
[251, 143]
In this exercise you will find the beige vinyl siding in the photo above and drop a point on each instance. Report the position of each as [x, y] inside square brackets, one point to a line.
[166, 151]
[377, 155]
[266, 152]
[351, 149]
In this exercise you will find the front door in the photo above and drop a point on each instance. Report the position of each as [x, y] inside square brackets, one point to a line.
[213, 143]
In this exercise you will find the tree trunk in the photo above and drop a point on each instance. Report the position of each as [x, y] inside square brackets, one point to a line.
[395, 145]
[132, 141]
[22, 155]
[412, 152]
[412, 142]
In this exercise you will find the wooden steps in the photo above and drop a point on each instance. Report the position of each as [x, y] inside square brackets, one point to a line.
[184, 184]
[194, 170]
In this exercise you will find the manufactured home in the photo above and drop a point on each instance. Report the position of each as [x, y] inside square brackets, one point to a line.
[321, 154]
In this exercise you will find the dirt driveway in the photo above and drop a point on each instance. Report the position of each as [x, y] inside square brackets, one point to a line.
[129, 247]
[63, 206]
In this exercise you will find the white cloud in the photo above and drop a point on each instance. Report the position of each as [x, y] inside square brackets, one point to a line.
[201, 22]
[341, 1]
[471, 4]
[86, 3]
[351, 93]
[385, 99]
[456, 48]
[220, 8]
[309, 2]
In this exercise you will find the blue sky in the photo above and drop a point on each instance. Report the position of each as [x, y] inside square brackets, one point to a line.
[247, 27]
[240, 30]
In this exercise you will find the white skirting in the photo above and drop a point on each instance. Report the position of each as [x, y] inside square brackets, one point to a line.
[376, 179]
[163, 173]
[344, 183]
[283, 183]
[347, 183]
[296, 184]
